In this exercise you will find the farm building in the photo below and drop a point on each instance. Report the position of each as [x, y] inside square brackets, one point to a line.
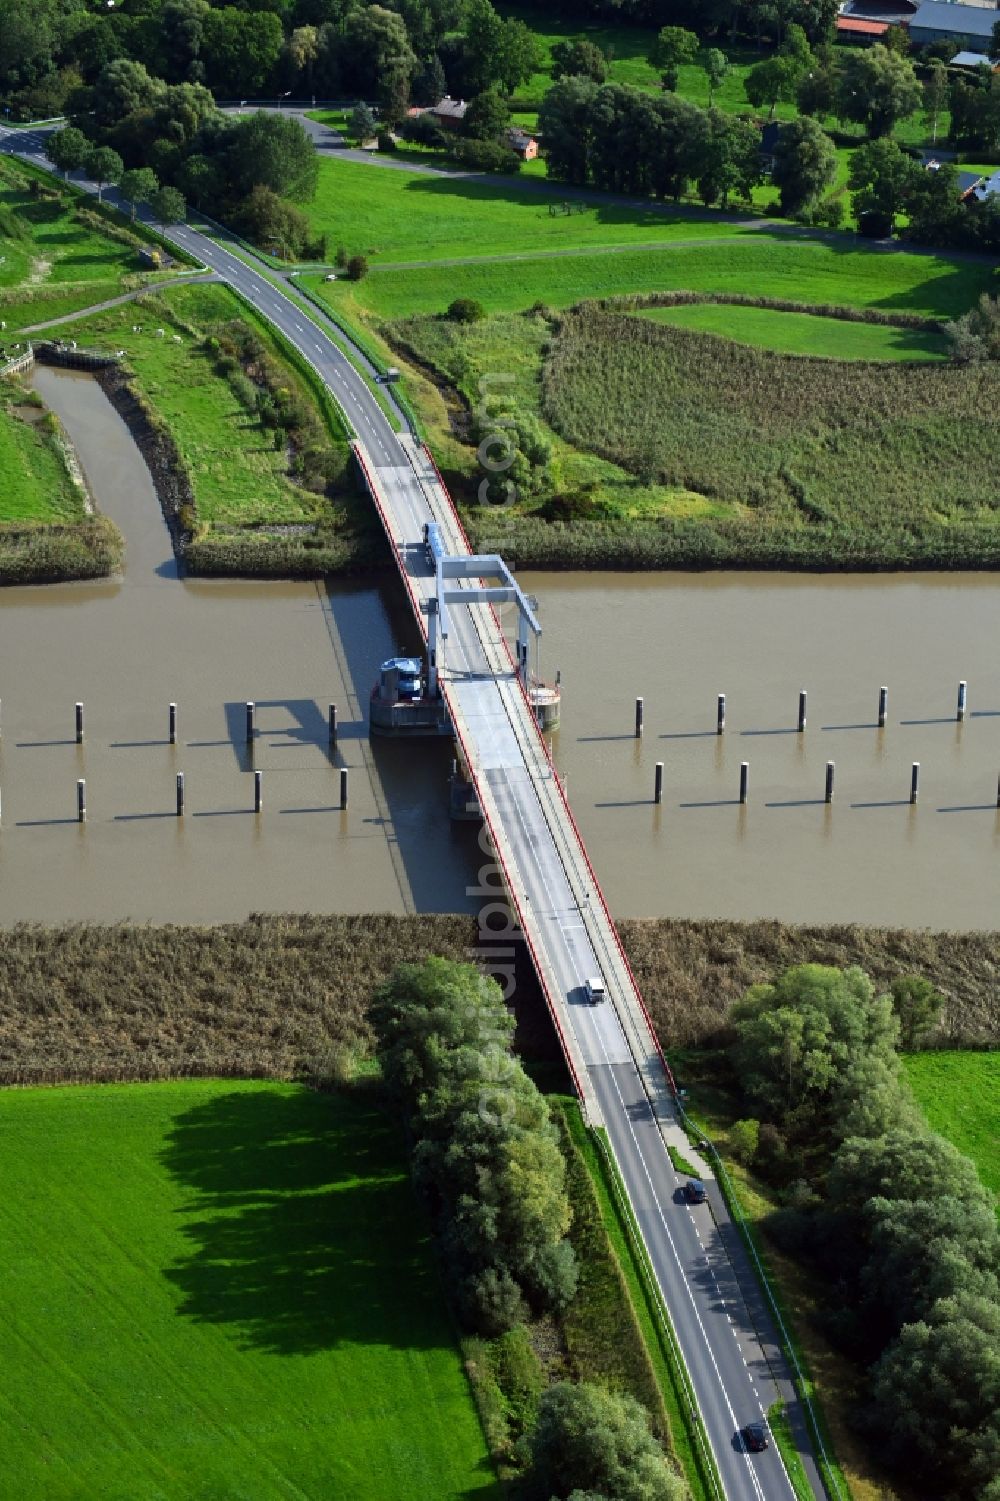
[523, 143]
[869, 20]
[968, 26]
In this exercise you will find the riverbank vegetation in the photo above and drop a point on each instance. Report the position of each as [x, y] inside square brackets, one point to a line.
[261, 1311]
[46, 530]
[278, 997]
[255, 474]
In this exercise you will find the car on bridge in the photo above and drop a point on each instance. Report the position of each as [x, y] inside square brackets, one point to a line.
[594, 989]
[694, 1191]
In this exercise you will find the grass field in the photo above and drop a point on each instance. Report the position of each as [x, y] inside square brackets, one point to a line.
[392, 215]
[806, 270]
[36, 483]
[222, 1290]
[866, 448]
[802, 333]
[959, 1094]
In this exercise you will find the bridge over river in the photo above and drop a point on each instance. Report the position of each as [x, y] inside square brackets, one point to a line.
[723, 1327]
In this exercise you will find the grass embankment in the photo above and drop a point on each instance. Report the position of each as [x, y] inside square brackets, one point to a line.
[61, 251]
[959, 1094]
[45, 531]
[834, 464]
[223, 1289]
[286, 997]
[244, 508]
[808, 270]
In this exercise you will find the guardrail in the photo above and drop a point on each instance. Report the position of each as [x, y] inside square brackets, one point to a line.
[695, 1422]
[18, 363]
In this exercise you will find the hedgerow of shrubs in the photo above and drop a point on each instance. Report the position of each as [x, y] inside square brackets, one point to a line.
[485, 1148]
[892, 1215]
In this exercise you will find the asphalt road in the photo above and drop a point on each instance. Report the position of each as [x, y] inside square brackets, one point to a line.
[724, 1351]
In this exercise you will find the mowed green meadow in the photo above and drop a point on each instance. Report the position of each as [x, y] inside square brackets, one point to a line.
[803, 333]
[36, 484]
[816, 271]
[390, 214]
[222, 1290]
[959, 1093]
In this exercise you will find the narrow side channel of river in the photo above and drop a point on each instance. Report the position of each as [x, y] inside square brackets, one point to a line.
[126, 649]
[679, 640]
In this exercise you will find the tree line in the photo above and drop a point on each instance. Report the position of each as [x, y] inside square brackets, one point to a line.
[391, 53]
[486, 1156]
[892, 1216]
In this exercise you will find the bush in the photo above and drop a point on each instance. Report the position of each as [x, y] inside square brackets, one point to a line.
[592, 1441]
[386, 141]
[357, 268]
[466, 310]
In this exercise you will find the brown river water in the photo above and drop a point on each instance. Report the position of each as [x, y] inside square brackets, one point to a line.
[130, 647]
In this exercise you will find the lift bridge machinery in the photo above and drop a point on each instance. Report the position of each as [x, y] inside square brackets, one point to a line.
[405, 701]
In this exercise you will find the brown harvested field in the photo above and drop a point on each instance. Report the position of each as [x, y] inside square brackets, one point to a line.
[282, 997]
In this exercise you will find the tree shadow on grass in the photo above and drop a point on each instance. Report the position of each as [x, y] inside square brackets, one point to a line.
[303, 1229]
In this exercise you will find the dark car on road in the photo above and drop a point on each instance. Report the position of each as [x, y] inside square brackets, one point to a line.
[694, 1191]
[754, 1436]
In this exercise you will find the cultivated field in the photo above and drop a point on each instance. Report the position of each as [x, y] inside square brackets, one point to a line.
[225, 1290]
[960, 1096]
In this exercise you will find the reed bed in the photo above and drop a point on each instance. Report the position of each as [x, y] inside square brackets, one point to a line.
[287, 996]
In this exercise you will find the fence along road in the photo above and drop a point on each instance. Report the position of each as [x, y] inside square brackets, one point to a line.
[610, 1048]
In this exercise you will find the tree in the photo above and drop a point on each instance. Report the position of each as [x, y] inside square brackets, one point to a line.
[105, 167]
[716, 66]
[797, 1039]
[877, 89]
[579, 59]
[975, 336]
[936, 215]
[376, 50]
[357, 268]
[936, 1396]
[728, 158]
[805, 164]
[273, 223]
[138, 186]
[466, 310]
[935, 95]
[181, 25]
[363, 123]
[272, 149]
[303, 52]
[675, 47]
[565, 123]
[881, 177]
[241, 48]
[498, 52]
[429, 83]
[776, 79]
[168, 206]
[744, 1138]
[67, 149]
[917, 1003]
[487, 116]
[123, 88]
[816, 93]
[596, 1442]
